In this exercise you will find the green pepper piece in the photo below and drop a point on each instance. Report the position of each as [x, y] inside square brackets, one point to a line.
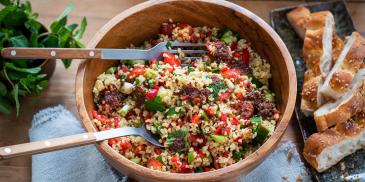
[111, 70]
[136, 160]
[219, 138]
[191, 157]
[255, 119]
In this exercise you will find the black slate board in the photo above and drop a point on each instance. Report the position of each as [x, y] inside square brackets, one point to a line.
[354, 163]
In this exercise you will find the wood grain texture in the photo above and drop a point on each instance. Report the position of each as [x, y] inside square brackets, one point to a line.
[125, 29]
[61, 88]
[50, 53]
[46, 145]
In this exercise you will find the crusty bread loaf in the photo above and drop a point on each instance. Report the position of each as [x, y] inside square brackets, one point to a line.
[325, 149]
[320, 43]
[351, 103]
[298, 19]
[347, 65]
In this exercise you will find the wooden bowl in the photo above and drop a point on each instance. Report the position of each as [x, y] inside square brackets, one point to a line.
[141, 23]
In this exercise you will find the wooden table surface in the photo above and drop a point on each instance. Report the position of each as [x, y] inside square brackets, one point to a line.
[61, 89]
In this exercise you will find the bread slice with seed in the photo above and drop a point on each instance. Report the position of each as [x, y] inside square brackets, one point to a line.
[325, 149]
[298, 19]
[350, 61]
[321, 44]
[351, 103]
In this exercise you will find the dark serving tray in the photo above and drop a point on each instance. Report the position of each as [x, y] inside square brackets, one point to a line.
[354, 163]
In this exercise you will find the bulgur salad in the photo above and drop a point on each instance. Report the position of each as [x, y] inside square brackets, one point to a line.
[208, 114]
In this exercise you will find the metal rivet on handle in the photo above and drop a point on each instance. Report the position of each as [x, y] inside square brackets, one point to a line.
[47, 143]
[13, 52]
[92, 53]
[53, 53]
[7, 150]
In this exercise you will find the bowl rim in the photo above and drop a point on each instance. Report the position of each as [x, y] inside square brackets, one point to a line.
[249, 162]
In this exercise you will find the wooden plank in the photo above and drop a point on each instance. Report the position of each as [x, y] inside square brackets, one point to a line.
[15, 174]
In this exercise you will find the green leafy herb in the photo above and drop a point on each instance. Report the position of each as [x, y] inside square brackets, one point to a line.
[237, 155]
[262, 133]
[172, 111]
[155, 104]
[216, 88]
[168, 45]
[191, 69]
[177, 140]
[255, 81]
[255, 119]
[19, 27]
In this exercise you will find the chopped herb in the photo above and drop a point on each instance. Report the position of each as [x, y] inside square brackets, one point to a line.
[168, 45]
[191, 69]
[137, 81]
[228, 37]
[131, 63]
[255, 81]
[155, 104]
[237, 155]
[158, 128]
[123, 77]
[136, 160]
[160, 159]
[216, 88]
[177, 140]
[215, 70]
[255, 119]
[205, 116]
[199, 169]
[262, 133]
[172, 111]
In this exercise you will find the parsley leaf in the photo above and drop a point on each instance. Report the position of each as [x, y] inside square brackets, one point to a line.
[216, 88]
[172, 111]
[155, 104]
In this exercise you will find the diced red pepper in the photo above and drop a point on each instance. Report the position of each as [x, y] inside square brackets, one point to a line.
[197, 100]
[111, 141]
[155, 164]
[184, 97]
[215, 163]
[210, 111]
[224, 117]
[237, 55]
[240, 96]
[157, 150]
[206, 169]
[180, 123]
[95, 114]
[200, 154]
[195, 119]
[137, 71]
[176, 161]
[234, 46]
[170, 59]
[218, 131]
[139, 149]
[245, 57]
[125, 145]
[226, 131]
[235, 121]
[197, 140]
[152, 93]
[225, 154]
[184, 168]
[230, 73]
[224, 96]
[116, 122]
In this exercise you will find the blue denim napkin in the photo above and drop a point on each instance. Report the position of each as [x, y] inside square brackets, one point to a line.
[85, 164]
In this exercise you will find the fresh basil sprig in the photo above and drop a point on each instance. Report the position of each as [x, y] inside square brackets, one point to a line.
[19, 28]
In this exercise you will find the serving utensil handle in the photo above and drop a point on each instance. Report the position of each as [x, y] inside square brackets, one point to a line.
[50, 53]
[46, 145]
